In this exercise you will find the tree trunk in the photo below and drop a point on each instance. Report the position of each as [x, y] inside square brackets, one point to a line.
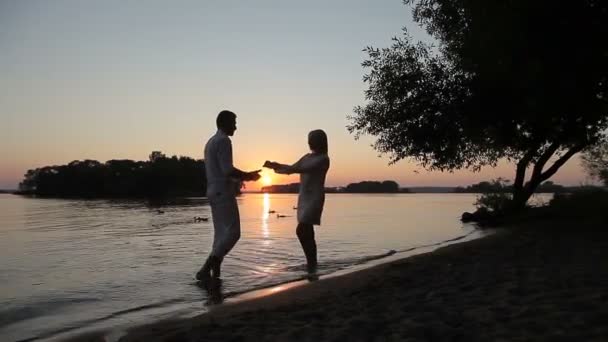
[522, 193]
[520, 197]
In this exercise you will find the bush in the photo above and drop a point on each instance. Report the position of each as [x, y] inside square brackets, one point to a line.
[498, 201]
[589, 203]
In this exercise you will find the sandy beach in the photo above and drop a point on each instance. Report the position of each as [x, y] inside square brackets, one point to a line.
[544, 281]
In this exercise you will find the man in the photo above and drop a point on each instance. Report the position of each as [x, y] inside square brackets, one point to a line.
[222, 180]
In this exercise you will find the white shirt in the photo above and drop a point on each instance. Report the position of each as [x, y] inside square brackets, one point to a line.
[218, 165]
[312, 168]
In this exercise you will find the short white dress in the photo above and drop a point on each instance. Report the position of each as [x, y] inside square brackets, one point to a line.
[312, 168]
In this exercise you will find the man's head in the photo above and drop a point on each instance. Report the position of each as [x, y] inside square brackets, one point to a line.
[226, 122]
[317, 141]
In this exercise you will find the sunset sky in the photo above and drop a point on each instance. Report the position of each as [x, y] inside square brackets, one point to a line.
[118, 79]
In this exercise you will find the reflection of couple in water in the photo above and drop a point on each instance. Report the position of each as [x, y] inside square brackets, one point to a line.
[221, 175]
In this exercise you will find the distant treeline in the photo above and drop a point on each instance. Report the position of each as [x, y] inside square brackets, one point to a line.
[291, 188]
[361, 187]
[497, 187]
[160, 176]
[387, 186]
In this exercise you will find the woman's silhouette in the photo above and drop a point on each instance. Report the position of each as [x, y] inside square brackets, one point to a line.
[312, 168]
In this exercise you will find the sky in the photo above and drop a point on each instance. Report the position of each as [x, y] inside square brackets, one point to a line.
[118, 79]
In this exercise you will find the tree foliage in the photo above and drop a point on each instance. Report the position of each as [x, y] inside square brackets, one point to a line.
[595, 161]
[160, 176]
[521, 80]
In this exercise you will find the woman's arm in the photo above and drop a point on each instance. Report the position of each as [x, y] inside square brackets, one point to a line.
[283, 168]
[304, 165]
[274, 165]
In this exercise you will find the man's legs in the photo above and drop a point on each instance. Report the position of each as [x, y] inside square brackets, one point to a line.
[306, 235]
[227, 231]
[205, 272]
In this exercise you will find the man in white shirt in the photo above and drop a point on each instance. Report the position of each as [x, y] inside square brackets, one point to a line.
[223, 180]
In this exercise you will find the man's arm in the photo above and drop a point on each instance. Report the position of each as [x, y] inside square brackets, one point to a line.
[225, 161]
[245, 176]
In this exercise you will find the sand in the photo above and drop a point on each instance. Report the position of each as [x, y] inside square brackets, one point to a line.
[540, 282]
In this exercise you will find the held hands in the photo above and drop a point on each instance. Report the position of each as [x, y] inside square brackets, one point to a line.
[270, 164]
[276, 167]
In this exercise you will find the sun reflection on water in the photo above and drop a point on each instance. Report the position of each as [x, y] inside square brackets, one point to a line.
[265, 217]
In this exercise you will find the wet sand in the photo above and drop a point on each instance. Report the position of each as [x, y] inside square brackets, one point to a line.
[542, 282]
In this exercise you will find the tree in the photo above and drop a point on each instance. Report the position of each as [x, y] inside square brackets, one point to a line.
[520, 80]
[387, 186]
[158, 177]
[28, 184]
[156, 155]
[595, 161]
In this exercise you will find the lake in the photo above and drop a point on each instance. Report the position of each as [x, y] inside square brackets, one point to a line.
[69, 266]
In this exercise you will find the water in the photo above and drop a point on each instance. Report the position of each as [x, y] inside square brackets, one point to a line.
[73, 265]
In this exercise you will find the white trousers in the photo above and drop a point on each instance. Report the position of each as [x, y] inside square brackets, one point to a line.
[226, 223]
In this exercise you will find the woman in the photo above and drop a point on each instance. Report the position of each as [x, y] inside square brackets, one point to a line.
[312, 168]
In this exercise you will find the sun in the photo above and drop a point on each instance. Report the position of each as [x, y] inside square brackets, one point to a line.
[266, 180]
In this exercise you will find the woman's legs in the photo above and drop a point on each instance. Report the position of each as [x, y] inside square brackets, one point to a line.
[306, 235]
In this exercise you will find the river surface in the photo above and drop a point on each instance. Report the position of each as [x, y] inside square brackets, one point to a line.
[68, 266]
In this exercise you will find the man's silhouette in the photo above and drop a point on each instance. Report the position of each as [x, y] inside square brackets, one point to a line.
[223, 180]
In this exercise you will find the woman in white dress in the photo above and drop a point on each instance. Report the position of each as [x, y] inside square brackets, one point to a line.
[312, 168]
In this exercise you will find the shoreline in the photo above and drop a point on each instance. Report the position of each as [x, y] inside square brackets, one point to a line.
[390, 258]
[542, 281]
[246, 296]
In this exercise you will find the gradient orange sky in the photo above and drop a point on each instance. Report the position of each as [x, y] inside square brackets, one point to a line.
[115, 80]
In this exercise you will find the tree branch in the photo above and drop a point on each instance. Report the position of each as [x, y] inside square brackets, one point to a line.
[540, 163]
[560, 162]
